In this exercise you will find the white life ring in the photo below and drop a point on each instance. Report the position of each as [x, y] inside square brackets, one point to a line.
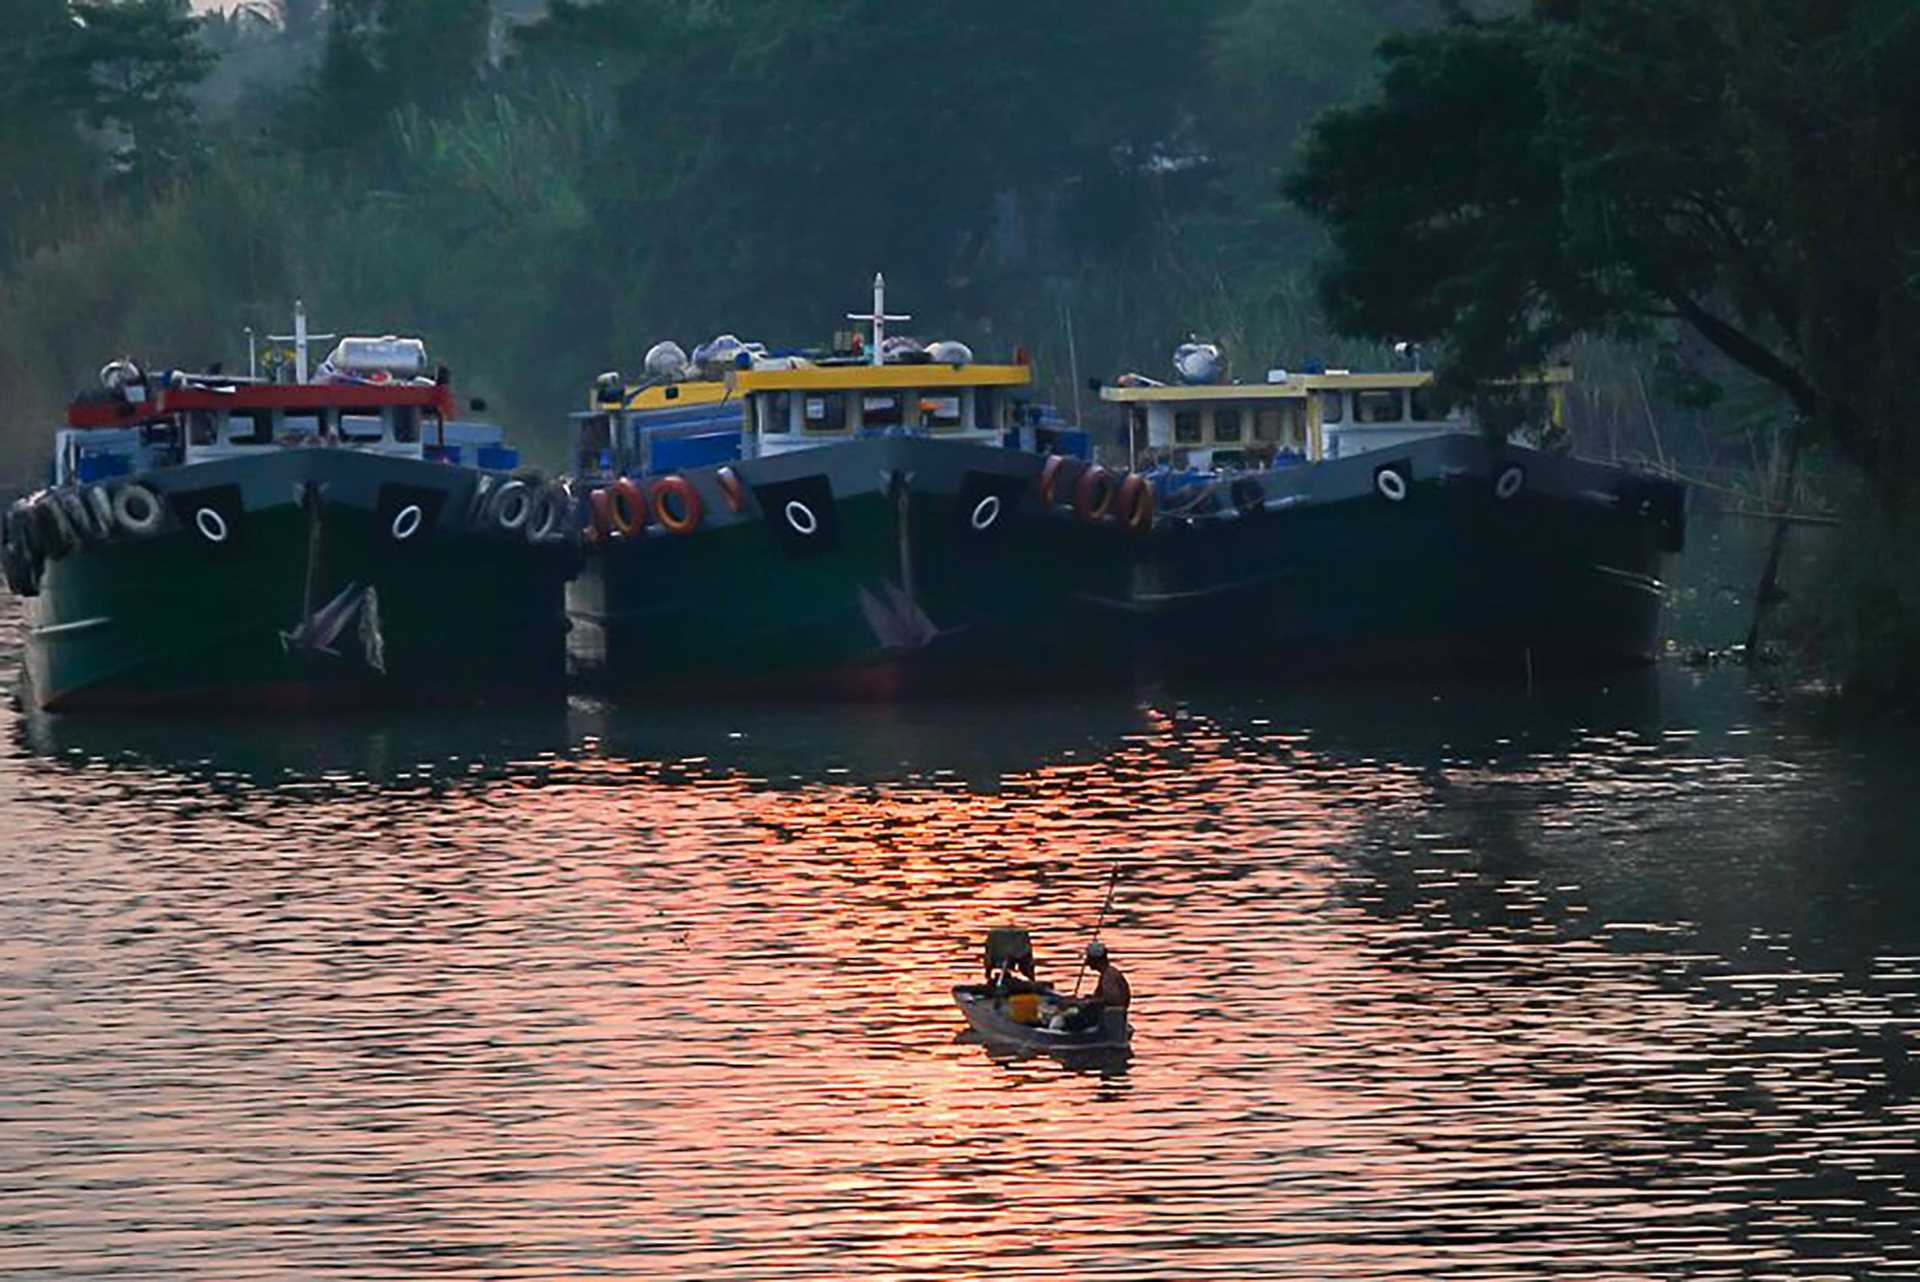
[801, 518]
[478, 506]
[54, 532]
[1510, 482]
[547, 515]
[212, 526]
[138, 510]
[511, 506]
[986, 512]
[1392, 485]
[80, 516]
[406, 522]
[100, 503]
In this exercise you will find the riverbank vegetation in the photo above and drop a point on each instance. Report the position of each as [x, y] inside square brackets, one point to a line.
[544, 194]
[1730, 185]
[1709, 205]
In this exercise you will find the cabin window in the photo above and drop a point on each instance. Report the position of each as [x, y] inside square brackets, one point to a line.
[593, 444]
[355, 425]
[1423, 405]
[943, 412]
[827, 413]
[1186, 427]
[1333, 406]
[406, 424]
[201, 428]
[882, 412]
[1266, 425]
[250, 427]
[776, 413]
[1226, 425]
[986, 410]
[1381, 405]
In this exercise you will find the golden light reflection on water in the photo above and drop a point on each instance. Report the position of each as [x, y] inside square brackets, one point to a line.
[1522, 993]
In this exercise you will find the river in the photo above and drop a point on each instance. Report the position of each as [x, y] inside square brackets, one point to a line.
[1607, 979]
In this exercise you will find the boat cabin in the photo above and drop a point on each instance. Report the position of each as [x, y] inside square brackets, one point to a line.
[777, 404]
[656, 427]
[1289, 420]
[731, 399]
[187, 420]
[805, 406]
[370, 394]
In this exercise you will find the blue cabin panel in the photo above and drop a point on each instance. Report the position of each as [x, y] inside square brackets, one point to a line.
[673, 453]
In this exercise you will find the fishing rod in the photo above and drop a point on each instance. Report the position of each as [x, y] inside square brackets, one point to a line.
[1112, 881]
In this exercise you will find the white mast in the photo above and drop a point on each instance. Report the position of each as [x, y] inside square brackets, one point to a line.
[299, 339]
[879, 317]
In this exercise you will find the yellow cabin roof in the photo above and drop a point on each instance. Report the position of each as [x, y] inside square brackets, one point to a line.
[823, 378]
[1298, 385]
[698, 392]
[859, 378]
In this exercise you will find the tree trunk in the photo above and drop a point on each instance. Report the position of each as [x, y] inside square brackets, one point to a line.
[1767, 595]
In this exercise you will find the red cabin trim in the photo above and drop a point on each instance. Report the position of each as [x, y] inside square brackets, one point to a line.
[165, 401]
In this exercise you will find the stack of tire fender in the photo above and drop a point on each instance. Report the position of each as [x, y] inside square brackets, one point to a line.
[1096, 494]
[626, 508]
[541, 512]
[48, 525]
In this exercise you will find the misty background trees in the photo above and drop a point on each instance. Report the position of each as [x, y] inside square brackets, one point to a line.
[545, 191]
[542, 191]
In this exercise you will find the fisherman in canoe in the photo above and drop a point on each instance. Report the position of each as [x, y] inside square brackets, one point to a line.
[1110, 992]
[1014, 1010]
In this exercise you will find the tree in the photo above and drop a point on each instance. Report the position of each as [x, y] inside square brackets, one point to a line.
[1747, 168]
[384, 56]
[127, 67]
[42, 157]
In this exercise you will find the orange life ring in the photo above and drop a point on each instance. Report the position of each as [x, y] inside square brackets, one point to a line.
[1095, 482]
[626, 508]
[688, 519]
[730, 489]
[1048, 476]
[1135, 503]
[599, 514]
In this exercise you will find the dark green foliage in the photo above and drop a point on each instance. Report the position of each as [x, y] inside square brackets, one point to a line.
[779, 154]
[1745, 171]
[1743, 167]
[127, 67]
[385, 55]
[544, 202]
[42, 160]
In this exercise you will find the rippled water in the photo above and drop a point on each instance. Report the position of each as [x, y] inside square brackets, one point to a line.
[1612, 981]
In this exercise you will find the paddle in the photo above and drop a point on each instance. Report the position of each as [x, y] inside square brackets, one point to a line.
[1112, 881]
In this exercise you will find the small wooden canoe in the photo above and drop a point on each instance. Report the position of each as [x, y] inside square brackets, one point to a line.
[986, 1012]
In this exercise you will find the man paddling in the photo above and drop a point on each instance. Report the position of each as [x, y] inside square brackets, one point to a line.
[1110, 992]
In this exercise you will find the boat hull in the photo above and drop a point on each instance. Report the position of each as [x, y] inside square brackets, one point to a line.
[311, 599]
[877, 567]
[1478, 556]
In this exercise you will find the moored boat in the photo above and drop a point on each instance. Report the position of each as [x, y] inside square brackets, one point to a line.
[893, 521]
[1341, 519]
[224, 541]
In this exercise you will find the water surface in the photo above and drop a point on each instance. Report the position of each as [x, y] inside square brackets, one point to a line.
[1610, 980]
